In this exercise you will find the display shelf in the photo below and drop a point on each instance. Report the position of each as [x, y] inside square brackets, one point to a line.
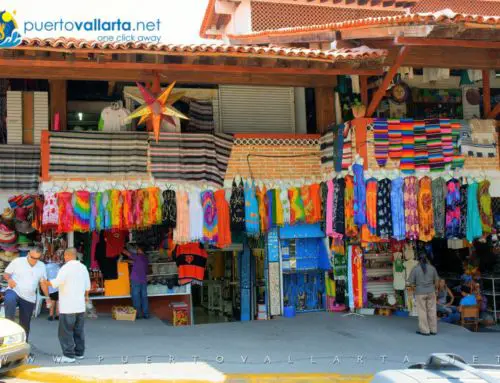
[490, 293]
[128, 296]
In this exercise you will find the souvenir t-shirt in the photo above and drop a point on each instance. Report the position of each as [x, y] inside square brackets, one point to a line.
[115, 242]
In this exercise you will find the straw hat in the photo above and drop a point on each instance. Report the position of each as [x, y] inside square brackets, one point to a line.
[8, 214]
[8, 256]
[24, 227]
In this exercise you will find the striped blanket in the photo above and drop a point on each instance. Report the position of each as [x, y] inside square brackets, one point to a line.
[19, 167]
[201, 117]
[329, 147]
[191, 157]
[98, 153]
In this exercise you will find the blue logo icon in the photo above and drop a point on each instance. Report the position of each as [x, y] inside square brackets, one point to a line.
[9, 36]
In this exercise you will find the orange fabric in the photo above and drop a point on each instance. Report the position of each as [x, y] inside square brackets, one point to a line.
[262, 200]
[360, 129]
[309, 194]
[223, 219]
[316, 202]
[351, 230]
[425, 210]
[120, 286]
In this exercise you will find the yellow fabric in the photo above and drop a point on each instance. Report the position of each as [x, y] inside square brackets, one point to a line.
[120, 286]
[280, 219]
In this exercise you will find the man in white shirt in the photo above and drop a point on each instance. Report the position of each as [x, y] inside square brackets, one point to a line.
[73, 282]
[23, 276]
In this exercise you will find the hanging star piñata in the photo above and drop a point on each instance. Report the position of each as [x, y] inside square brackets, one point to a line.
[157, 108]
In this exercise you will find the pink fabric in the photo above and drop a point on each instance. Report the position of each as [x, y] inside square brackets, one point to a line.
[95, 241]
[50, 210]
[329, 209]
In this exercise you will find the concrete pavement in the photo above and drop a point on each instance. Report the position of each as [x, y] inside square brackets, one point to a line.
[313, 343]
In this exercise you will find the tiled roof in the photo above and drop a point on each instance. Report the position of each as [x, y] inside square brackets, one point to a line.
[208, 19]
[268, 16]
[406, 19]
[68, 44]
[470, 7]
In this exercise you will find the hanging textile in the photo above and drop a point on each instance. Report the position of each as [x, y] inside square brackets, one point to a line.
[139, 208]
[38, 213]
[201, 117]
[434, 145]
[381, 137]
[397, 209]
[251, 211]
[425, 212]
[330, 215]
[339, 188]
[181, 232]
[351, 230]
[285, 204]
[407, 163]
[475, 149]
[360, 126]
[312, 202]
[116, 153]
[223, 220]
[261, 194]
[4, 87]
[81, 209]
[474, 227]
[446, 140]
[66, 215]
[19, 167]
[411, 206]
[331, 152]
[384, 213]
[347, 147]
[50, 219]
[128, 209]
[195, 216]
[371, 205]
[297, 211]
[191, 260]
[323, 187]
[191, 157]
[271, 208]
[106, 207]
[210, 233]
[169, 210]
[237, 207]
[280, 219]
[421, 152]
[339, 145]
[359, 195]
[483, 195]
[395, 139]
[356, 286]
[458, 158]
[438, 206]
[463, 211]
[117, 210]
[453, 209]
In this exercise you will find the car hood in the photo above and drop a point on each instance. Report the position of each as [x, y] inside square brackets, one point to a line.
[7, 327]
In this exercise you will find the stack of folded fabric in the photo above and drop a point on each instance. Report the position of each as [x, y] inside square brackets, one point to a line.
[421, 153]
[201, 117]
[472, 149]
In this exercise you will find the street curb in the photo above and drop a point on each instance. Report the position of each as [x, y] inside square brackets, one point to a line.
[32, 373]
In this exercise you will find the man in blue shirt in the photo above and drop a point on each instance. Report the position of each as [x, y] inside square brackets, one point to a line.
[468, 299]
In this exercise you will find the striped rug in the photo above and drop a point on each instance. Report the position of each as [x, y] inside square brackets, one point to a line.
[434, 145]
[407, 163]
[421, 153]
[446, 140]
[458, 158]
[19, 167]
[329, 147]
[191, 157]
[98, 153]
[381, 137]
[395, 139]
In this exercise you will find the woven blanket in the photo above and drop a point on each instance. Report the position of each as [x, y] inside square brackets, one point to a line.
[201, 117]
[434, 145]
[19, 167]
[329, 148]
[98, 153]
[191, 157]
[446, 139]
[421, 152]
[458, 158]
[407, 163]
[381, 137]
[395, 139]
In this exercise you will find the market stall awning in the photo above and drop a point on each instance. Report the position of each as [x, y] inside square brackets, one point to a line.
[76, 59]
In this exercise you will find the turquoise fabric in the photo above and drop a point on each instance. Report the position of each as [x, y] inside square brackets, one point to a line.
[474, 229]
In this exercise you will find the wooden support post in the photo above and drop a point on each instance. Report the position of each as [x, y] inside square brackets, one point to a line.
[495, 112]
[363, 84]
[58, 102]
[325, 108]
[45, 155]
[486, 93]
[379, 94]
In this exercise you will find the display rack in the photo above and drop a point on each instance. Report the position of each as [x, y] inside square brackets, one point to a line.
[379, 273]
[494, 293]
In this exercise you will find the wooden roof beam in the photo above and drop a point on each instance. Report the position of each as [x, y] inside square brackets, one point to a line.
[425, 42]
[371, 32]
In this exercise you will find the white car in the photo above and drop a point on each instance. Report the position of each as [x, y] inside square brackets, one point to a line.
[441, 368]
[13, 347]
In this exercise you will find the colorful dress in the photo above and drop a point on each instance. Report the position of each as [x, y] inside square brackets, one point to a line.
[65, 211]
[328, 207]
[425, 212]
[237, 207]
[263, 207]
[359, 195]
[351, 230]
[169, 209]
[285, 204]
[195, 216]
[339, 207]
[411, 205]
[371, 205]
[397, 209]
[81, 209]
[453, 209]
[117, 210]
[297, 213]
[463, 210]
[384, 213]
[251, 211]
[439, 207]
[280, 220]
[223, 219]
[210, 233]
[181, 232]
[50, 217]
[483, 195]
[305, 194]
[474, 227]
[315, 193]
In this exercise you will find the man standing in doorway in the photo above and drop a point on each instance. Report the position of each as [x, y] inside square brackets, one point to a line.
[73, 282]
[23, 276]
[139, 281]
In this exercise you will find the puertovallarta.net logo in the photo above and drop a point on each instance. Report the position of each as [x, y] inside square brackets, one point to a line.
[9, 36]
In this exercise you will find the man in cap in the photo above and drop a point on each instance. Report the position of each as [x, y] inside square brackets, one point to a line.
[23, 276]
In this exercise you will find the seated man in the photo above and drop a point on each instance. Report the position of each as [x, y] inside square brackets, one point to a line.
[468, 299]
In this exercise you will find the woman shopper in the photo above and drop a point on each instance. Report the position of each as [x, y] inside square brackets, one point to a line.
[423, 281]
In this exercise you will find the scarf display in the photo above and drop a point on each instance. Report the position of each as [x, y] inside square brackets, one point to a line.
[280, 218]
[397, 209]
[252, 220]
[339, 188]
[411, 206]
[297, 212]
[261, 194]
[169, 209]
[463, 211]
[329, 213]
[425, 211]
[237, 207]
[65, 209]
